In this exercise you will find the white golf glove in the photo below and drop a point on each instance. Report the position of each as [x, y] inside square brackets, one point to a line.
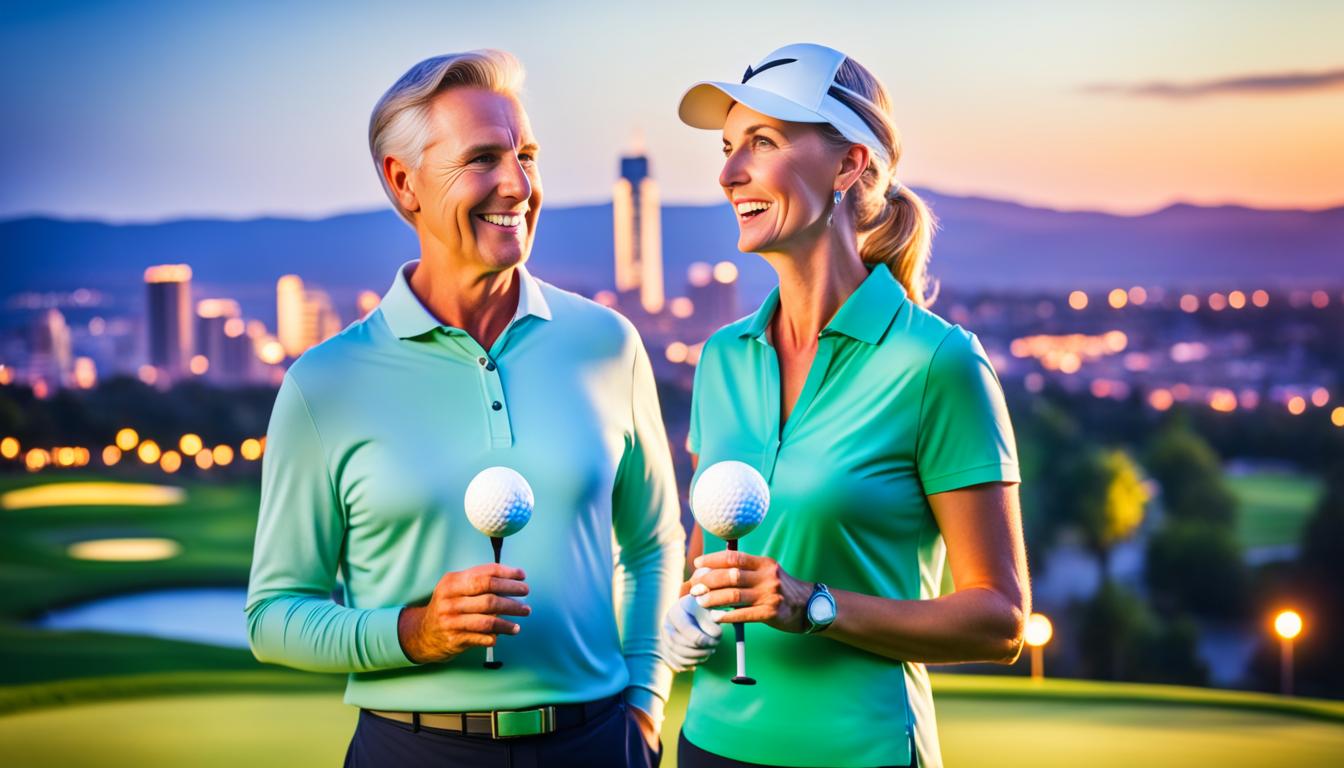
[690, 633]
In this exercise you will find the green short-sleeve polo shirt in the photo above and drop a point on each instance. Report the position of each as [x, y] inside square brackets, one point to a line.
[898, 404]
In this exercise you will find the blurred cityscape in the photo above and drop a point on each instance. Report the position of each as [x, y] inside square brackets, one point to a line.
[1181, 440]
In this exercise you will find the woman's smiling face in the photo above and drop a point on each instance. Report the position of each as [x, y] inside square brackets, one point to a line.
[779, 176]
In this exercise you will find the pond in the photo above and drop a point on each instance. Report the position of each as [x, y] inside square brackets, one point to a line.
[200, 615]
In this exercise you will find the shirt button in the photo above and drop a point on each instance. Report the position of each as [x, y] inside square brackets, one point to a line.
[490, 366]
[481, 360]
[496, 405]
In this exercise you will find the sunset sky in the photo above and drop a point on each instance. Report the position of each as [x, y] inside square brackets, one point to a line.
[139, 111]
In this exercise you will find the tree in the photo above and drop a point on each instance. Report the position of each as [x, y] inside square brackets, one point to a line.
[1120, 639]
[1190, 475]
[1110, 497]
[1196, 566]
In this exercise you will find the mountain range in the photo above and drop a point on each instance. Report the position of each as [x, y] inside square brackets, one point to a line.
[983, 244]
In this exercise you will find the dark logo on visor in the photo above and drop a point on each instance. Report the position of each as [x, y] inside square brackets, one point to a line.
[754, 72]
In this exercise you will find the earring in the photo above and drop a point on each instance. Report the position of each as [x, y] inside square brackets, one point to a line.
[839, 195]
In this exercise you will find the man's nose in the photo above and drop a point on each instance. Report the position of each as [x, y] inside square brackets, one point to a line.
[514, 182]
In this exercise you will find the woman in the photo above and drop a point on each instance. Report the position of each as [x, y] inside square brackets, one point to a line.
[880, 427]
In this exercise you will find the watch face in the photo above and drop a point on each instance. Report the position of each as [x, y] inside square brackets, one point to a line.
[820, 610]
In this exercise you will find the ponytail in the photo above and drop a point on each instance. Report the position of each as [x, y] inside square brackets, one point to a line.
[895, 226]
[900, 235]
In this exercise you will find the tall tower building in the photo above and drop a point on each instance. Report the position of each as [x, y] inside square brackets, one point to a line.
[168, 320]
[637, 219]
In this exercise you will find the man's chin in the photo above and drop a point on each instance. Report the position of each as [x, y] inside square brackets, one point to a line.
[502, 260]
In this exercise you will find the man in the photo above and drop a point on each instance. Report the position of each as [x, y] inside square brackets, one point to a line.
[470, 362]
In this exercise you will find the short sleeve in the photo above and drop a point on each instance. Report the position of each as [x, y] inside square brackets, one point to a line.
[965, 435]
[693, 434]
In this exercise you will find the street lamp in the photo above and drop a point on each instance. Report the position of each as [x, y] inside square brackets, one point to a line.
[1038, 633]
[1288, 625]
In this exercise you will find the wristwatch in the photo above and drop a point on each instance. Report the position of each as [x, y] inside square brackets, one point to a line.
[820, 610]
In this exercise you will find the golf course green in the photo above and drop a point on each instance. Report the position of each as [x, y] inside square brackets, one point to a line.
[89, 698]
[982, 721]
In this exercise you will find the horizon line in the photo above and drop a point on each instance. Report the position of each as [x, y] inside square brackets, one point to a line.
[317, 217]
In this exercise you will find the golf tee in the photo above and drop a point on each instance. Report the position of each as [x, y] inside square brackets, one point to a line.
[741, 650]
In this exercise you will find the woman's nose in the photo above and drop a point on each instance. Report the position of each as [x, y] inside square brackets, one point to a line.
[734, 171]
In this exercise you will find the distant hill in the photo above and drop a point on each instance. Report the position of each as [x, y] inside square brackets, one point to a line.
[983, 244]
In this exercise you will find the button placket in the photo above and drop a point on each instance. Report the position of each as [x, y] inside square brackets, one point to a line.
[492, 390]
[501, 434]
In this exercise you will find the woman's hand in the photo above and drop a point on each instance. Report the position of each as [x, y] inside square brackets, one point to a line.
[756, 586]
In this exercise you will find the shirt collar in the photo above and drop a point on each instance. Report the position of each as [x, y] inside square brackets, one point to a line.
[407, 317]
[865, 315]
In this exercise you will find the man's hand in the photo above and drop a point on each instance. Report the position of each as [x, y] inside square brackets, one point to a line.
[646, 727]
[463, 613]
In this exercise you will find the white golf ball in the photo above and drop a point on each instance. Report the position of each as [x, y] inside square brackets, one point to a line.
[498, 501]
[730, 499]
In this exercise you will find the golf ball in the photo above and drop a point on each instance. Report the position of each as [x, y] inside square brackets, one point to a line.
[498, 501]
[730, 499]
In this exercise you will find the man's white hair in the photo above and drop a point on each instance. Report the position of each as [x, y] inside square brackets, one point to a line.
[399, 125]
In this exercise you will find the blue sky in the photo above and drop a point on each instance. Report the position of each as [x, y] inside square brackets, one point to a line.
[145, 111]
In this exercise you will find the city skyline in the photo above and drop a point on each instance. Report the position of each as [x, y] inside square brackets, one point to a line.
[141, 115]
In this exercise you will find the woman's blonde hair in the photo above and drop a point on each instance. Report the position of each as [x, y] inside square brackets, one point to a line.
[399, 125]
[894, 224]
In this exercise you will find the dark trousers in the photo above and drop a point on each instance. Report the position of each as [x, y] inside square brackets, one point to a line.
[612, 739]
[691, 756]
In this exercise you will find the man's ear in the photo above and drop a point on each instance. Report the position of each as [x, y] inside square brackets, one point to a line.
[398, 178]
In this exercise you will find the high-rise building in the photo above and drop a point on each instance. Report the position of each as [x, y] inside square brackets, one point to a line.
[304, 317]
[320, 321]
[712, 289]
[221, 339]
[637, 220]
[50, 359]
[168, 319]
[289, 314]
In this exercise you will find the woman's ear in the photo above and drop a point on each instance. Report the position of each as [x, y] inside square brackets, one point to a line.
[852, 165]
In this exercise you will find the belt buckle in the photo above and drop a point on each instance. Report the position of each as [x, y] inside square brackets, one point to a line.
[512, 724]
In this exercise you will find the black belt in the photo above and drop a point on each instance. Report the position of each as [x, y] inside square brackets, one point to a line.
[506, 723]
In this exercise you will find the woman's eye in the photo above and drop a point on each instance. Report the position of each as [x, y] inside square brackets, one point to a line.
[727, 151]
[527, 157]
[761, 141]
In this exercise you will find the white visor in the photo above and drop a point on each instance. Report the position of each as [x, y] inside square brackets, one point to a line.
[792, 83]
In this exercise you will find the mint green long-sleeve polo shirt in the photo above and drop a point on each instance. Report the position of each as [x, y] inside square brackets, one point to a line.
[374, 436]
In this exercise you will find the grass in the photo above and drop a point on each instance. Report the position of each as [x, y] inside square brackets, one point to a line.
[84, 698]
[1274, 506]
[263, 720]
[215, 525]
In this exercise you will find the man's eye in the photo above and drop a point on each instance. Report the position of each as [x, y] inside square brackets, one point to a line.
[482, 159]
